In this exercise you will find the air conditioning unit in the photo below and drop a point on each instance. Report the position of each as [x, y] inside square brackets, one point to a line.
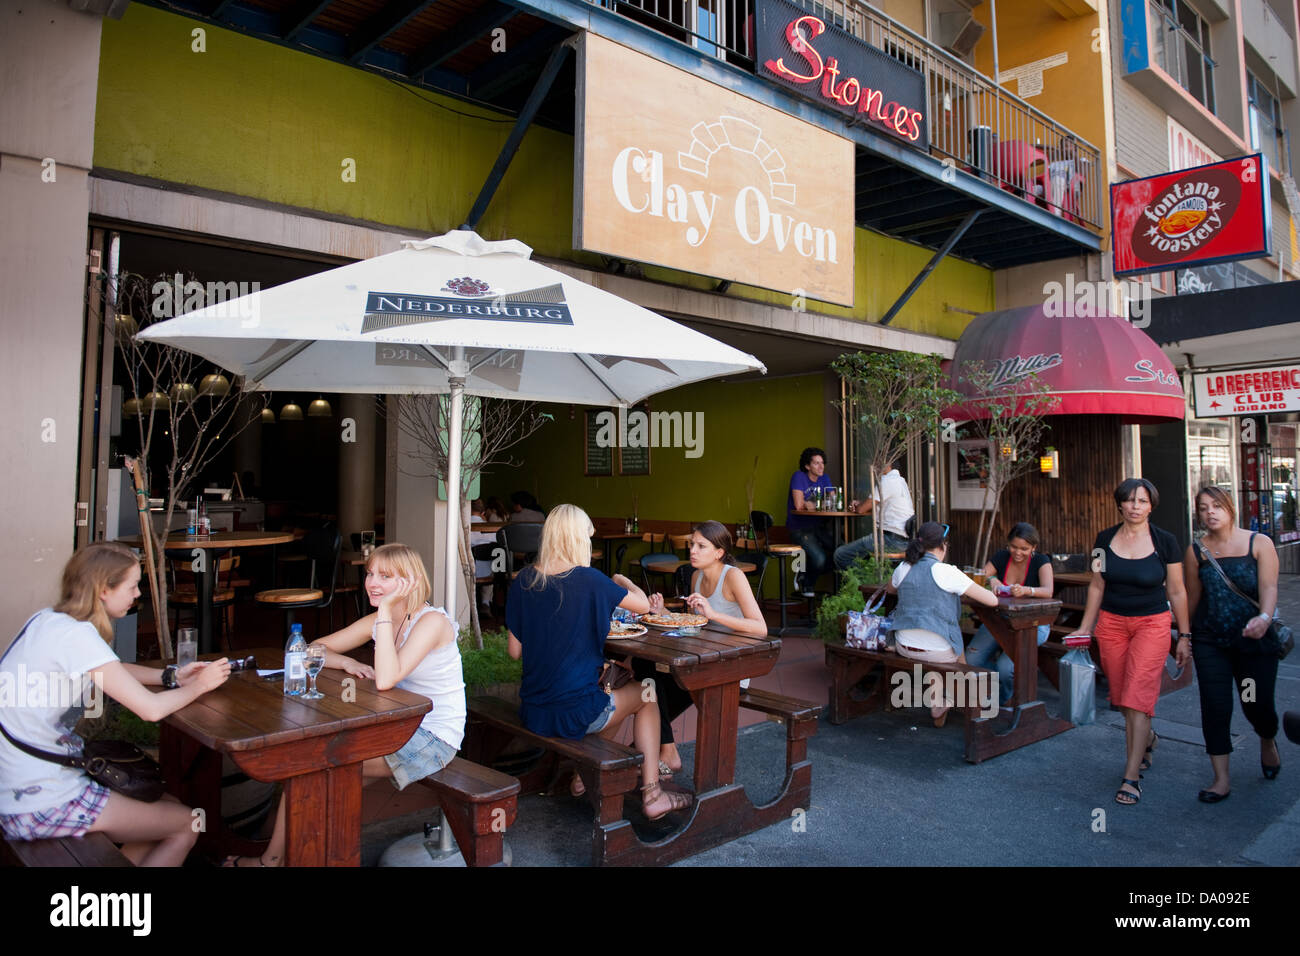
[959, 32]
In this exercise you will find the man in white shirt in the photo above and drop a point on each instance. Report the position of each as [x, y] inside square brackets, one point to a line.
[891, 501]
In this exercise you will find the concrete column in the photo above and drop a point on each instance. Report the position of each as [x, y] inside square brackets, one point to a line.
[49, 69]
[356, 465]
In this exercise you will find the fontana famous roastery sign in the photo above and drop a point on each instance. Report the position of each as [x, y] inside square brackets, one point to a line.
[1209, 213]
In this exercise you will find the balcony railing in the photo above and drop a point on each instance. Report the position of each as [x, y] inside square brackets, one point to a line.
[973, 123]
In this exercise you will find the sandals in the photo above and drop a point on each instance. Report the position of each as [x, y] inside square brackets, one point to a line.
[1210, 796]
[1146, 760]
[1271, 771]
[665, 771]
[1126, 799]
[232, 861]
[676, 801]
[576, 787]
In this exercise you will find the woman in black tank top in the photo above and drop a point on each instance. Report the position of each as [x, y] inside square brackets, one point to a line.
[1235, 654]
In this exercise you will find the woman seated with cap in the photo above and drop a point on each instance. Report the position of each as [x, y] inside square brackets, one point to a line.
[927, 620]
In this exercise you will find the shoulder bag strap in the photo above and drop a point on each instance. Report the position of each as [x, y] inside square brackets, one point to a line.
[28, 748]
[1228, 581]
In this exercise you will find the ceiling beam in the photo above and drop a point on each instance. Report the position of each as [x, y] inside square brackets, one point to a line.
[465, 33]
[383, 24]
[293, 22]
[504, 71]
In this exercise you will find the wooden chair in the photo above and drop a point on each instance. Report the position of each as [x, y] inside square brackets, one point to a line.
[183, 592]
[682, 543]
[655, 540]
[321, 547]
[522, 541]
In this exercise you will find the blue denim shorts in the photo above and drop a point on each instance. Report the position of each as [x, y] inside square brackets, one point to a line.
[603, 718]
[421, 756]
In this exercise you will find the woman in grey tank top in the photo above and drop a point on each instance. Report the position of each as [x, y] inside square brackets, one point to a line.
[721, 593]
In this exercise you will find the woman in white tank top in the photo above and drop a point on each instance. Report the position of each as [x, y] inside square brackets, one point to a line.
[416, 650]
[721, 593]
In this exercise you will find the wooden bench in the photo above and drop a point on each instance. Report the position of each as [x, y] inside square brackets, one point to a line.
[478, 803]
[609, 770]
[800, 719]
[93, 849]
[850, 666]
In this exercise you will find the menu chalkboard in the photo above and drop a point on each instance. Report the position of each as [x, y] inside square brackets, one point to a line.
[599, 458]
[635, 459]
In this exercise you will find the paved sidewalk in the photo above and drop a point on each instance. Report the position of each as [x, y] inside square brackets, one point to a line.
[891, 790]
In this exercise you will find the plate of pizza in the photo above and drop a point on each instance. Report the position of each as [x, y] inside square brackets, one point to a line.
[669, 620]
[625, 629]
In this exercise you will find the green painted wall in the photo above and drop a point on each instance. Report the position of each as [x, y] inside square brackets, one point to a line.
[774, 419]
[255, 119]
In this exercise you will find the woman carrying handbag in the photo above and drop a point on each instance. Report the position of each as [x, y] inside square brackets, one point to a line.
[1232, 591]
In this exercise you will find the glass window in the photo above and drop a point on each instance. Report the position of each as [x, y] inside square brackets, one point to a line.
[1266, 130]
[1180, 40]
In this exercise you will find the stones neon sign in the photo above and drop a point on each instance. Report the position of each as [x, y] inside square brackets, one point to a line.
[832, 68]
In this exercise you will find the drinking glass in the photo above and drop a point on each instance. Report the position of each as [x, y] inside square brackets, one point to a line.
[187, 646]
[315, 661]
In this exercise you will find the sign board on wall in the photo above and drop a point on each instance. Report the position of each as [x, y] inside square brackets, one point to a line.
[1185, 150]
[833, 68]
[698, 178]
[1209, 213]
[1247, 391]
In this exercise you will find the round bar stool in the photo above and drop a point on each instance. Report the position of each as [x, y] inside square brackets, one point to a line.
[781, 552]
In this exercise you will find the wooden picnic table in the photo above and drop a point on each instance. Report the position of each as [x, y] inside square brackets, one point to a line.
[1014, 625]
[1070, 579]
[315, 747]
[205, 567]
[710, 666]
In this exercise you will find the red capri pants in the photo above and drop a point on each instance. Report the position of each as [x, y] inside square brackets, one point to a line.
[1133, 652]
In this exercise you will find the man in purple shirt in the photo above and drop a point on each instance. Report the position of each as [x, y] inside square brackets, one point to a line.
[814, 534]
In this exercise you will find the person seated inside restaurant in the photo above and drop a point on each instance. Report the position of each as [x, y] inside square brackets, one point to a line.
[415, 650]
[814, 534]
[927, 620]
[70, 645]
[558, 614]
[482, 566]
[1020, 567]
[891, 503]
[524, 507]
[719, 592]
[494, 511]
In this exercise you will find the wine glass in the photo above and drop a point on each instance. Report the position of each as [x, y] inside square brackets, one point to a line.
[315, 661]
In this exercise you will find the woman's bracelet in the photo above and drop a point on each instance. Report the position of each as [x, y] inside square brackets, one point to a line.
[377, 623]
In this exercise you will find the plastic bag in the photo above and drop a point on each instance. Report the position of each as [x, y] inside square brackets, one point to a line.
[1079, 681]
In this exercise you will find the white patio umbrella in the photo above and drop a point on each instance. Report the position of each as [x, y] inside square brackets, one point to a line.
[453, 314]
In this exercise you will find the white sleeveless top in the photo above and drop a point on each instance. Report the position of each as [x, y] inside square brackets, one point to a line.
[438, 677]
[717, 601]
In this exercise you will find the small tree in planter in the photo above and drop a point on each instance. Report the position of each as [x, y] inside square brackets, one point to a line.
[893, 398]
[1010, 416]
[491, 427]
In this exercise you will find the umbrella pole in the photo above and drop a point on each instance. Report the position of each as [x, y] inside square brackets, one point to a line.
[458, 370]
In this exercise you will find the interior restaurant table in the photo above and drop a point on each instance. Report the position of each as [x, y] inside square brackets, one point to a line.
[203, 561]
[1070, 579]
[710, 666]
[1024, 720]
[315, 747]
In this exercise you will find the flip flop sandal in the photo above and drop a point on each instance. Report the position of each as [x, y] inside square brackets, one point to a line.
[665, 771]
[1129, 799]
[576, 787]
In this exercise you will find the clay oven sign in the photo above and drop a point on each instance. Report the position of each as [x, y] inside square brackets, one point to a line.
[701, 179]
[1209, 213]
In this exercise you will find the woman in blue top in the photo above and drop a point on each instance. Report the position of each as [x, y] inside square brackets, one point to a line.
[1026, 573]
[1230, 635]
[558, 613]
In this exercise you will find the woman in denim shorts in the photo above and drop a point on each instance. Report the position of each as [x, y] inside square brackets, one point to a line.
[415, 650]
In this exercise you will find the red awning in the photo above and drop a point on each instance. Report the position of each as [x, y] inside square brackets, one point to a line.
[1094, 365]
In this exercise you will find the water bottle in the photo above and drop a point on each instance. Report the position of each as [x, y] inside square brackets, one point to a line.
[295, 664]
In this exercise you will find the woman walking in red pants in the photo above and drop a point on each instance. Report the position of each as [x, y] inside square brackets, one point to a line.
[1137, 578]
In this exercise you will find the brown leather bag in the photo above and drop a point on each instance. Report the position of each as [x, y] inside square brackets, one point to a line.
[613, 676]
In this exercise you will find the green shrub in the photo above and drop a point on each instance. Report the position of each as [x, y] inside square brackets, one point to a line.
[492, 664]
[864, 571]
